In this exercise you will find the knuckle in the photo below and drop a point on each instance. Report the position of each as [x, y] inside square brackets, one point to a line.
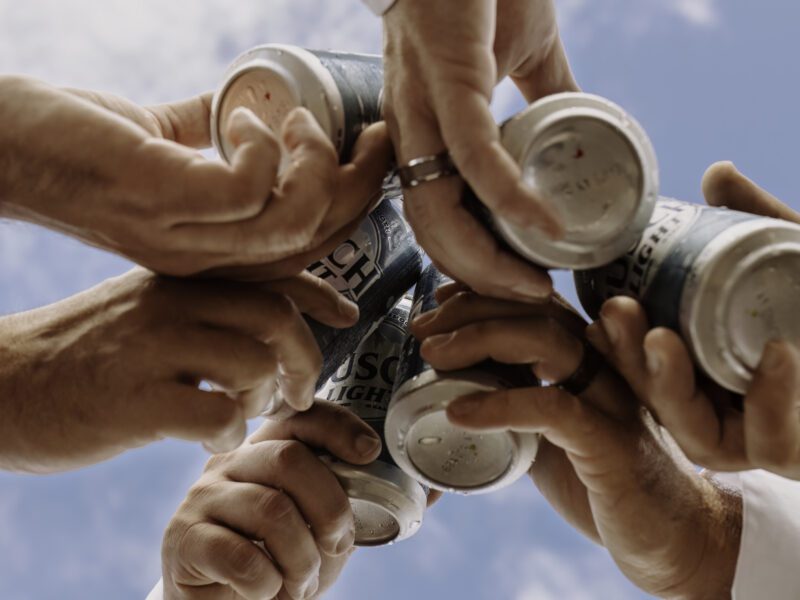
[174, 536]
[274, 505]
[244, 559]
[289, 454]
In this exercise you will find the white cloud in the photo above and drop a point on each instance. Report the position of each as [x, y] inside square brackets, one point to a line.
[697, 12]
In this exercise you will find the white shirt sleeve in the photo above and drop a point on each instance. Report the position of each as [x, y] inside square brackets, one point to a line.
[158, 591]
[379, 7]
[769, 553]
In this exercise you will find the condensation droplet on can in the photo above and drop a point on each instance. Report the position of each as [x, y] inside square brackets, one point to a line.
[430, 441]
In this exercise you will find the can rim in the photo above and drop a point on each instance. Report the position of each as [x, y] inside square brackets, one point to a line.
[388, 488]
[409, 406]
[542, 115]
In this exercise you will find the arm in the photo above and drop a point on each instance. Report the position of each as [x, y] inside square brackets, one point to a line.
[127, 179]
[118, 366]
[442, 65]
[604, 464]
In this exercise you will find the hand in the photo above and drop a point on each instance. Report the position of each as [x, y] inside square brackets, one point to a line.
[441, 67]
[118, 366]
[706, 420]
[603, 464]
[126, 179]
[274, 490]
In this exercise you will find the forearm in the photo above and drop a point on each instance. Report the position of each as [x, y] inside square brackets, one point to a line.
[56, 148]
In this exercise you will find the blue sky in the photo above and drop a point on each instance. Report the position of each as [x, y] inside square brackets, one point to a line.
[709, 80]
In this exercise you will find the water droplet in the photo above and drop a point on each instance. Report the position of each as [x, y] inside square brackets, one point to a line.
[430, 441]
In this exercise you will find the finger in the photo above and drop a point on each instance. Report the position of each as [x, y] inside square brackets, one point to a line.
[270, 516]
[620, 339]
[488, 168]
[771, 426]
[467, 307]
[712, 440]
[724, 185]
[454, 238]
[550, 75]
[448, 290]
[318, 299]
[275, 320]
[329, 427]
[533, 340]
[232, 361]
[183, 411]
[187, 122]
[562, 418]
[359, 182]
[218, 554]
[292, 467]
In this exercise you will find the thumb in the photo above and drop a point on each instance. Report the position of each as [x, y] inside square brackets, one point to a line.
[724, 185]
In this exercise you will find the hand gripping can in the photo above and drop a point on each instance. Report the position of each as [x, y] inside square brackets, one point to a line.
[388, 505]
[374, 268]
[421, 439]
[726, 281]
[594, 164]
[343, 91]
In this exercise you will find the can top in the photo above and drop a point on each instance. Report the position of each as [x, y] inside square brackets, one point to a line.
[424, 443]
[272, 80]
[595, 165]
[745, 294]
[388, 505]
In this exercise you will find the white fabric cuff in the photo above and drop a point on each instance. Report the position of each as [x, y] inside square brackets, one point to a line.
[158, 591]
[379, 7]
[768, 554]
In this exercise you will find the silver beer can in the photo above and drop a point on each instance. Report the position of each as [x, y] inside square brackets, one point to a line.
[422, 440]
[728, 282]
[343, 91]
[388, 505]
[594, 164]
[374, 268]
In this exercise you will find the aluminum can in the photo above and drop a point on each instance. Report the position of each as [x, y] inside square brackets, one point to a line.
[374, 268]
[421, 439]
[593, 163]
[342, 90]
[388, 505]
[728, 282]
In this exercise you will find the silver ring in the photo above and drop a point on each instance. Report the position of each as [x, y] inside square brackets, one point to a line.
[426, 168]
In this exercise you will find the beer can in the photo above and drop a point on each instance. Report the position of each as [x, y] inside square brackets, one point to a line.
[342, 90]
[594, 164]
[374, 268]
[421, 439]
[388, 505]
[726, 281]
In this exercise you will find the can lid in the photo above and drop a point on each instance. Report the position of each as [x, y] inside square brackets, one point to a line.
[426, 445]
[271, 80]
[746, 296]
[388, 505]
[595, 166]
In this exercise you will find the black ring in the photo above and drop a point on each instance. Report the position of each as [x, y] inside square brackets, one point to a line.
[584, 375]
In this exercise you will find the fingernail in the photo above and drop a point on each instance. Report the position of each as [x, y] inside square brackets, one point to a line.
[533, 290]
[346, 542]
[424, 318]
[437, 341]
[367, 444]
[597, 337]
[773, 358]
[462, 408]
[611, 329]
[653, 361]
[348, 310]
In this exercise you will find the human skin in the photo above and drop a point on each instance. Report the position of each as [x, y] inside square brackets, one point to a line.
[715, 428]
[129, 180]
[441, 67]
[603, 463]
[118, 366]
[275, 490]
